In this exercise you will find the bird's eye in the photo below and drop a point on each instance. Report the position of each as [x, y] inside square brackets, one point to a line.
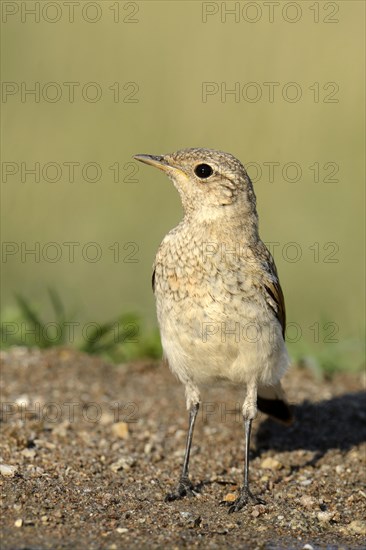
[203, 171]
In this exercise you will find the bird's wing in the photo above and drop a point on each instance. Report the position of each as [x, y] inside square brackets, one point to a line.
[271, 285]
[274, 291]
[272, 400]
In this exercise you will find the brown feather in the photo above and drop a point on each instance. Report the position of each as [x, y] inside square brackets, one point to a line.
[271, 285]
[275, 291]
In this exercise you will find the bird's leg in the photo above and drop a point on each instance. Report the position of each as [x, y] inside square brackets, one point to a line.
[249, 412]
[185, 486]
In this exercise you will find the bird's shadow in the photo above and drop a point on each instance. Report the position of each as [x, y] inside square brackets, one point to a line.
[337, 423]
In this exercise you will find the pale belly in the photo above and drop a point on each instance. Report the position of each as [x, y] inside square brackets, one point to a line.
[233, 342]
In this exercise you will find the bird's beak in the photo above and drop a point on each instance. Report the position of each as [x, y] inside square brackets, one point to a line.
[158, 162]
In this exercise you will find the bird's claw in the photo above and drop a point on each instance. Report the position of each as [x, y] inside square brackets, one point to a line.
[185, 488]
[243, 499]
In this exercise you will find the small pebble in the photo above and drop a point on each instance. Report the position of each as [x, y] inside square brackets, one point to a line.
[307, 501]
[306, 482]
[106, 418]
[186, 515]
[270, 463]
[357, 526]
[258, 511]
[18, 523]
[28, 453]
[61, 429]
[325, 517]
[230, 497]
[120, 429]
[123, 464]
[23, 401]
[7, 470]
[121, 530]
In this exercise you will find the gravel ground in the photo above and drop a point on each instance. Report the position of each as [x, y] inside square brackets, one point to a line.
[89, 450]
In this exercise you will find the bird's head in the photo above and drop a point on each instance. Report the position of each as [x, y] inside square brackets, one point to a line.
[211, 183]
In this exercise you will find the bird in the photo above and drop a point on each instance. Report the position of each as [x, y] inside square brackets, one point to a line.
[220, 306]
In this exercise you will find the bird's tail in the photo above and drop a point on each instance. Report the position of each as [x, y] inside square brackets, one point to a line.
[272, 401]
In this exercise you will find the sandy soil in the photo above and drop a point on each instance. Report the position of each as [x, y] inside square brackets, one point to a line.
[89, 450]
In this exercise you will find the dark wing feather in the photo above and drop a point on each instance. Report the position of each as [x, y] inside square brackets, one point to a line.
[277, 408]
[273, 290]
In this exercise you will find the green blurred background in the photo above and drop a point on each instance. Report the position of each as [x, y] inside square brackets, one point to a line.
[161, 54]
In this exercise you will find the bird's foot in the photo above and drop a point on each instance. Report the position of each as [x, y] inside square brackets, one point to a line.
[243, 499]
[185, 488]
